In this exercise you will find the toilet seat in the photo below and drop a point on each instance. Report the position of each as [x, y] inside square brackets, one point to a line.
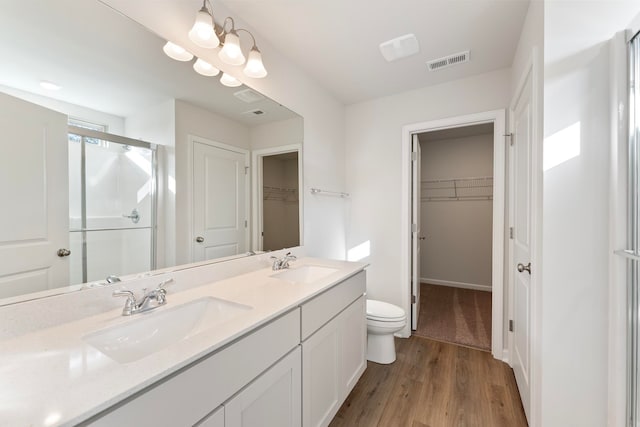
[395, 325]
[381, 311]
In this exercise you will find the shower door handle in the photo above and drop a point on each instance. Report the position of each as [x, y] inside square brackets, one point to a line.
[63, 252]
[134, 217]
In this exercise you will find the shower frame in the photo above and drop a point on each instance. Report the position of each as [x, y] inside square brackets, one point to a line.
[85, 133]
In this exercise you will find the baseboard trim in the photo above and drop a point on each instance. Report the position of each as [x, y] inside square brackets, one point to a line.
[456, 284]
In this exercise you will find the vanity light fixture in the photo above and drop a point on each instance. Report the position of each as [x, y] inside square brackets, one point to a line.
[229, 80]
[204, 68]
[205, 34]
[176, 52]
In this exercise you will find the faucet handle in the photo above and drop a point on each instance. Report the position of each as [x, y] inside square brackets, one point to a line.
[124, 293]
[161, 292]
[162, 284]
[129, 304]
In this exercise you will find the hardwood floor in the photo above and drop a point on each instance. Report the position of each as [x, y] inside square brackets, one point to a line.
[434, 384]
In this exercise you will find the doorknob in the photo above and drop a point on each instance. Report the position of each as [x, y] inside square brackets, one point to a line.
[63, 252]
[421, 238]
[199, 239]
[522, 267]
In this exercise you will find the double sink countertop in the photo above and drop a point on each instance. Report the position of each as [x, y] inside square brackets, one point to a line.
[54, 376]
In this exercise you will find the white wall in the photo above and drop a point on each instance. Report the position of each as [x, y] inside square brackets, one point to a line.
[575, 242]
[276, 134]
[115, 124]
[457, 248]
[373, 172]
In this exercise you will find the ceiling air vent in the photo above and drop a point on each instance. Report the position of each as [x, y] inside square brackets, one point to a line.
[248, 95]
[448, 61]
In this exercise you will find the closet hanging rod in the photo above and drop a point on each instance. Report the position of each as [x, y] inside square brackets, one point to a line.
[329, 193]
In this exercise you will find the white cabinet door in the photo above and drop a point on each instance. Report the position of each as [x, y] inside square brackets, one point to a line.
[333, 359]
[353, 339]
[321, 376]
[273, 399]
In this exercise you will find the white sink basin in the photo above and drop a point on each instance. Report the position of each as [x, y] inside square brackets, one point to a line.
[149, 332]
[304, 273]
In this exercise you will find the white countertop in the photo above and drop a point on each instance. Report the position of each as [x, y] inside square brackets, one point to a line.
[51, 377]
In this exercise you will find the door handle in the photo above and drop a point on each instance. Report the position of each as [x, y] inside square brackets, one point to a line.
[199, 239]
[421, 238]
[134, 216]
[63, 252]
[522, 268]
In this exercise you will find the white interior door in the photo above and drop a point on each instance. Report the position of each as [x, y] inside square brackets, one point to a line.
[415, 232]
[35, 201]
[219, 201]
[521, 205]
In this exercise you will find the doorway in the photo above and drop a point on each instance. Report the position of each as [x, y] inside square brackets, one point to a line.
[455, 242]
[276, 203]
[410, 235]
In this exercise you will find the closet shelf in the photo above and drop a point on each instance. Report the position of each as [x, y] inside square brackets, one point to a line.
[452, 189]
[280, 194]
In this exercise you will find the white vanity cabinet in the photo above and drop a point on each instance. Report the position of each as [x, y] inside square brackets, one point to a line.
[333, 349]
[294, 371]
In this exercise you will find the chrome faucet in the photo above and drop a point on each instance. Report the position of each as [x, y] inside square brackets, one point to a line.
[132, 306]
[282, 263]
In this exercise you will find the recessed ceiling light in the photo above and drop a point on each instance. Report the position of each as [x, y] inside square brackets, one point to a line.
[400, 47]
[49, 85]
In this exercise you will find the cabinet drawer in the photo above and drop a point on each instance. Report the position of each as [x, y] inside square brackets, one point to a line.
[327, 305]
[194, 392]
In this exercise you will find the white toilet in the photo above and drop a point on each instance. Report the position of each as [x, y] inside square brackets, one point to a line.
[383, 320]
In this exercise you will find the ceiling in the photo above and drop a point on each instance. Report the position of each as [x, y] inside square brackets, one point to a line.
[87, 47]
[336, 41]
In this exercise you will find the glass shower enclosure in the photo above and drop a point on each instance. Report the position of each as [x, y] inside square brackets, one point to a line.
[112, 205]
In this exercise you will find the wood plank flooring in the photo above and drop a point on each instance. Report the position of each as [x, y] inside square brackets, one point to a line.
[434, 384]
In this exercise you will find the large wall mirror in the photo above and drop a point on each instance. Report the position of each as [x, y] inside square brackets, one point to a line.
[160, 167]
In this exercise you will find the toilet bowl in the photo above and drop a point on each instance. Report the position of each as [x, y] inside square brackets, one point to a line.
[383, 320]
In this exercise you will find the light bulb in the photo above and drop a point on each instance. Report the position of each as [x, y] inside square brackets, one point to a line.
[176, 52]
[255, 67]
[203, 33]
[203, 67]
[231, 53]
[229, 81]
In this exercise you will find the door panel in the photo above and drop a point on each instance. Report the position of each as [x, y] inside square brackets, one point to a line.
[521, 252]
[219, 202]
[33, 190]
[273, 399]
[415, 235]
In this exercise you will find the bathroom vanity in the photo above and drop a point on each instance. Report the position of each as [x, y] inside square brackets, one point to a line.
[237, 344]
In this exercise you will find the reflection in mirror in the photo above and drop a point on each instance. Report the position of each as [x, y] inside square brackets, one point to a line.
[157, 168]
